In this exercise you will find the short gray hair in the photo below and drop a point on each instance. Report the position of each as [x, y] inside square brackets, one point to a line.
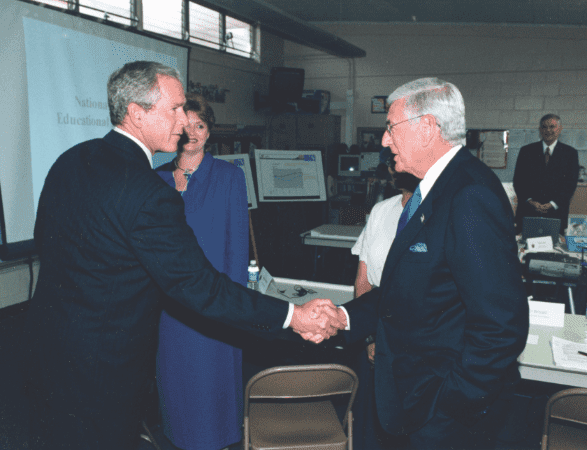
[135, 82]
[551, 116]
[439, 98]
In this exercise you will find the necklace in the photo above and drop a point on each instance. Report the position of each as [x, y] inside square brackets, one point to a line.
[187, 173]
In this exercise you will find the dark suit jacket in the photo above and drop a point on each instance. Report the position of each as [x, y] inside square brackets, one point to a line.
[112, 239]
[451, 315]
[545, 183]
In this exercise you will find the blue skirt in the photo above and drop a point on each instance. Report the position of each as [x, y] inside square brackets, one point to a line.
[200, 386]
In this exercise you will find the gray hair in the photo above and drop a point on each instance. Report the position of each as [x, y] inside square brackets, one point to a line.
[439, 98]
[551, 116]
[135, 82]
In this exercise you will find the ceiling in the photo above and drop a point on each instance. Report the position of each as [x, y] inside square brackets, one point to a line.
[534, 12]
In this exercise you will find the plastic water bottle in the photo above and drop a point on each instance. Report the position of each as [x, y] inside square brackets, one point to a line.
[253, 279]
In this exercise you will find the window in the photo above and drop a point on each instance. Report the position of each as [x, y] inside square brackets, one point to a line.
[205, 26]
[177, 19]
[59, 3]
[163, 17]
[114, 10]
[238, 37]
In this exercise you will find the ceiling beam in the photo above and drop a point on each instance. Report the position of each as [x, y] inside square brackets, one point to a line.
[289, 27]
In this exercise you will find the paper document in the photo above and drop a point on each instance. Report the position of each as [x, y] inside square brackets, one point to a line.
[566, 354]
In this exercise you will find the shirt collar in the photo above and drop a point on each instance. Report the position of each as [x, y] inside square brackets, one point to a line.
[435, 171]
[552, 146]
[139, 143]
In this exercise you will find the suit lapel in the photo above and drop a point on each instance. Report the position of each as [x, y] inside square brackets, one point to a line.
[402, 242]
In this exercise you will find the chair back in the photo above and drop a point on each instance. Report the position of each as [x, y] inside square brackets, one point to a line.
[307, 381]
[565, 420]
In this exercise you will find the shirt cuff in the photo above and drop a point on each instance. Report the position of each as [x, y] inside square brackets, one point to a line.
[291, 310]
[289, 316]
[554, 205]
[348, 318]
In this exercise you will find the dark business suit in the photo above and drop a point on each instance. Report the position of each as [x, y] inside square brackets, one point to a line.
[112, 238]
[556, 182]
[451, 315]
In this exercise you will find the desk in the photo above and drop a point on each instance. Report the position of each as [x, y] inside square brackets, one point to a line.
[536, 362]
[341, 236]
[333, 236]
[338, 293]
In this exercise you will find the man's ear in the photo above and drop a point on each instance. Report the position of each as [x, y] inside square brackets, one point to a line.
[136, 115]
[428, 129]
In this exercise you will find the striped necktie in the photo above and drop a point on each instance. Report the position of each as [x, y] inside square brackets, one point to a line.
[409, 210]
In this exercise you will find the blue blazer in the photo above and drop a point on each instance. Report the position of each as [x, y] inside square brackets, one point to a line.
[112, 238]
[451, 315]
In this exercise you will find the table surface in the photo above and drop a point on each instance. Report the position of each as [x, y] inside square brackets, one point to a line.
[338, 293]
[536, 361]
[330, 235]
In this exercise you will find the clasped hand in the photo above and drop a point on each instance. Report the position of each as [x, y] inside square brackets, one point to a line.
[317, 320]
[541, 207]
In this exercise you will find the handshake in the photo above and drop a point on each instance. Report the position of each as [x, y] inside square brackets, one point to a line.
[317, 320]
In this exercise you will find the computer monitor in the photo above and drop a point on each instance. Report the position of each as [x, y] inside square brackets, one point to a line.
[369, 163]
[540, 227]
[349, 166]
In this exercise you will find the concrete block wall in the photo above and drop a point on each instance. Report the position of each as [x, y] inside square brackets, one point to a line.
[510, 76]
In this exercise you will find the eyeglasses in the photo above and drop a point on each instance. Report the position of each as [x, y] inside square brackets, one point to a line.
[389, 127]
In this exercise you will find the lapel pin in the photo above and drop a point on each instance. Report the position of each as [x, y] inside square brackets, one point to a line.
[422, 218]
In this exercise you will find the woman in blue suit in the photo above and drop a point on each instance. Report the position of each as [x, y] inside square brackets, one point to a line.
[199, 376]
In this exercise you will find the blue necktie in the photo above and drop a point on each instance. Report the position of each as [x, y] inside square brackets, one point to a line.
[409, 210]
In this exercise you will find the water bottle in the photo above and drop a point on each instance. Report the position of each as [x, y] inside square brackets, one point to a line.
[253, 279]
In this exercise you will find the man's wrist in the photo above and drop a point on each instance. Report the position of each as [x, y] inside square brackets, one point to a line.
[289, 316]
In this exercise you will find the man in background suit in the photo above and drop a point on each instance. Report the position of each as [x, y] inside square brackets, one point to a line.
[112, 239]
[450, 315]
[546, 175]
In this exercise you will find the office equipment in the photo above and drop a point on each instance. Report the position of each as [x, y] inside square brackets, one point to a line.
[555, 269]
[349, 166]
[568, 430]
[286, 85]
[277, 417]
[315, 101]
[368, 163]
[541, 226]
[290, 175]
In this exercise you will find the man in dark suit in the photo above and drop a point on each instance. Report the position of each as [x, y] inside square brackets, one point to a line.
[450, 315]
[112, 239]
[546, 175]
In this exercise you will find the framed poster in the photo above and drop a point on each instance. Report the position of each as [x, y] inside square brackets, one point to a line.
[369, 139]
[378, 105]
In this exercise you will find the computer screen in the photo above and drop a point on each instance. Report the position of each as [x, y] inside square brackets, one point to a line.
[290, 175]
[349, 166]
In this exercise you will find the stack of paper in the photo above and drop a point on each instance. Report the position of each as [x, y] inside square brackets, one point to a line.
[569, 354]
